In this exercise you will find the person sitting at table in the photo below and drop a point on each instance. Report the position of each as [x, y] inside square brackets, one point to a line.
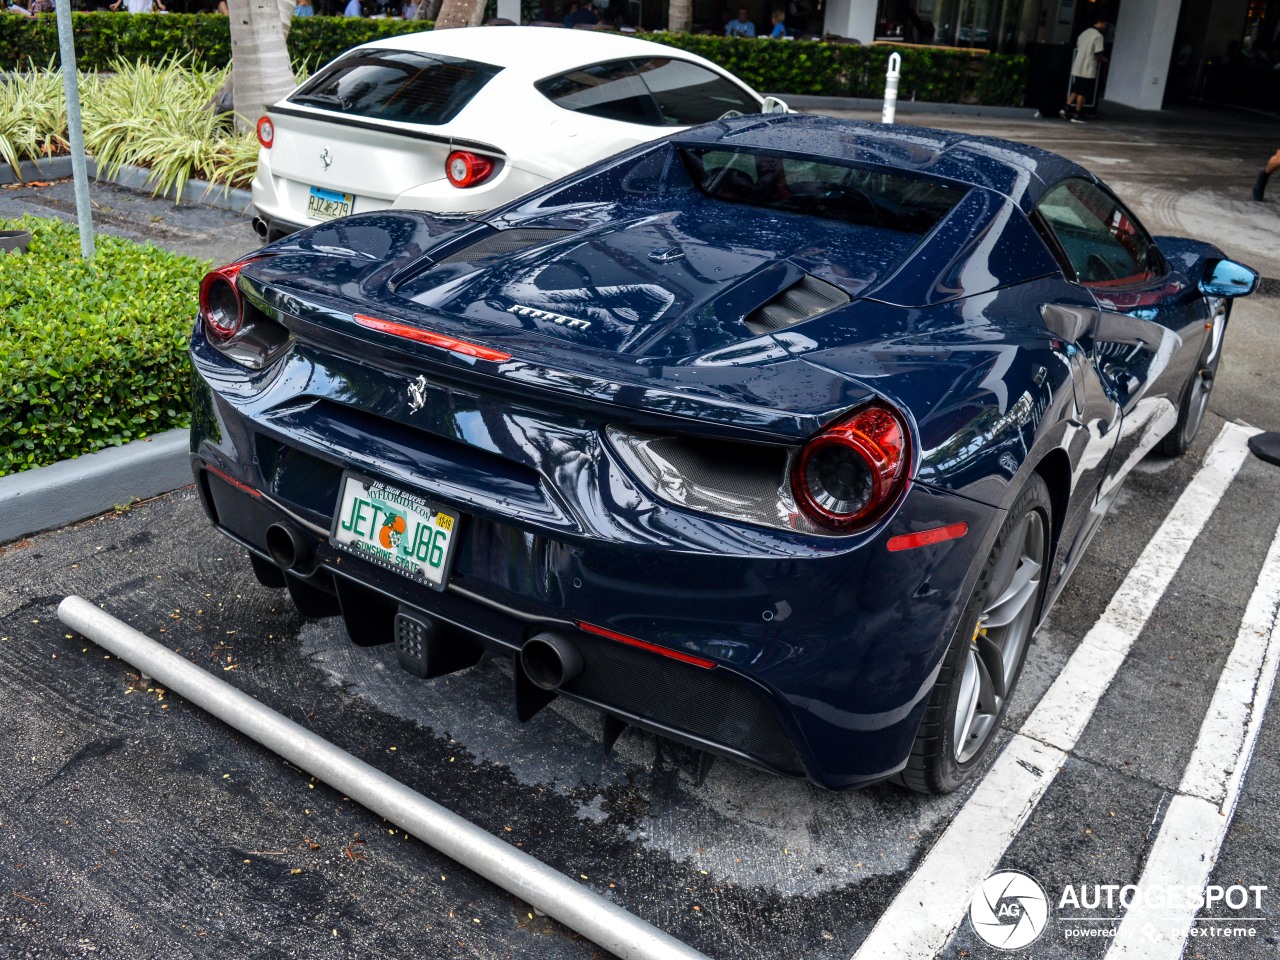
[742, 27]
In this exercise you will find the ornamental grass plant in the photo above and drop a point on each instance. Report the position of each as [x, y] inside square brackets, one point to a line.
[93, 353]
[33, 116]
[153, 115]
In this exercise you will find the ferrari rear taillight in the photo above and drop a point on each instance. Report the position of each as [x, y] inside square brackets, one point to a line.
[221, 305]
[266, 132]
[847, 476]
[467, 169]
[248, 332]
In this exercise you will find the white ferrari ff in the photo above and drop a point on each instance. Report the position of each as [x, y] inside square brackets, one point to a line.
[460, 121]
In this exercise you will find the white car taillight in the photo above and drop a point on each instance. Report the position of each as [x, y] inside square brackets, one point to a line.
[467, 169]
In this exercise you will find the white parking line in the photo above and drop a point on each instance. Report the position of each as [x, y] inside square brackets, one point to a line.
[1186, 849]
[933, 901]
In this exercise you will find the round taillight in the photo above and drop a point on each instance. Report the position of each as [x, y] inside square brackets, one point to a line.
[220, 304]
[467, 169]
[851, 473]
[266, 132]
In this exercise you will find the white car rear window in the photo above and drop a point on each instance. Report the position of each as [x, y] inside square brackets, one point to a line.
[396, 85]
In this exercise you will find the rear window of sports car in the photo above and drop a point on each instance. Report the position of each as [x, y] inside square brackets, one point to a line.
[396, 85]
[868, 196]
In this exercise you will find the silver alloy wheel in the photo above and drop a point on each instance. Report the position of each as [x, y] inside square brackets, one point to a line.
[1000, 637]
[1202, 380]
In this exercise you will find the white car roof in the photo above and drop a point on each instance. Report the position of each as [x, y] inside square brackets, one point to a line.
[532, 51]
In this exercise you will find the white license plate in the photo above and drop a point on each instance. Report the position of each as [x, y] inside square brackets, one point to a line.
[395, 529]
[327, 204]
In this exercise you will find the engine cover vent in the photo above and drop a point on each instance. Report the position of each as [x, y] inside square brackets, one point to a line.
[503, 242]
[805, 298]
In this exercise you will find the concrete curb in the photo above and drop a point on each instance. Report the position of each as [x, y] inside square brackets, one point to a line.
[133, 178]
[73, 490]
[799, 101]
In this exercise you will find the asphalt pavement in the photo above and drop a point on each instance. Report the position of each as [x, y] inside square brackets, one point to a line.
[133, 825]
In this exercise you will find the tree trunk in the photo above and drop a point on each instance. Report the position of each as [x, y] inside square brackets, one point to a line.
[680, 16]
[460, 13]
[260, 70]
[429, 10]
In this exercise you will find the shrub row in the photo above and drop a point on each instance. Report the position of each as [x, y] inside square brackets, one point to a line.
[803, 66]
[94, 353]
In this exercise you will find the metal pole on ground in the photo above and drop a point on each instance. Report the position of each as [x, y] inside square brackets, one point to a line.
[891, 88]
[79, 170]
[537, 884]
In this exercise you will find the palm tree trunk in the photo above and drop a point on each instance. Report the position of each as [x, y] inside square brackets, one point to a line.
[460, 13]
[429, 10]
[680, 16]
[260, 70]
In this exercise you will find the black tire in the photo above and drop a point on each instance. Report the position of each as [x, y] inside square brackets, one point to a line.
[1195, 394]
[950, 746]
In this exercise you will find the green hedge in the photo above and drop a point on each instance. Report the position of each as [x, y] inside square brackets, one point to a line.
[802, 66]
[205, 38]
[92, 353]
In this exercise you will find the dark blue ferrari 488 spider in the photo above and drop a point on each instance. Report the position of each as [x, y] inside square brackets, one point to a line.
[777, 437]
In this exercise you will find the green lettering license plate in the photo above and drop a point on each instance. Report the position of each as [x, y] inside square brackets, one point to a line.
[395, 529]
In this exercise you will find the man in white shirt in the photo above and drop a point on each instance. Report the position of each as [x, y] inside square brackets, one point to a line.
[141, 6]
[1084, 70]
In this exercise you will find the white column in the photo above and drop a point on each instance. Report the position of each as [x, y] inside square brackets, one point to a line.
[1140, 58]
[509, 10]
[855, 19]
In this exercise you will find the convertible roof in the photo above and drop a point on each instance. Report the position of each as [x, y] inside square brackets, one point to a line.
[1015, 170]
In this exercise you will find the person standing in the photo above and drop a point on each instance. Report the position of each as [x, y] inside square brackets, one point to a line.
[141, 6]
[303, 8]
[353, 9]
[1084, 70]
[742, 27]
[1260, 185]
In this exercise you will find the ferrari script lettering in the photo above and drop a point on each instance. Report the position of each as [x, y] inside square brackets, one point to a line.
[533, 313]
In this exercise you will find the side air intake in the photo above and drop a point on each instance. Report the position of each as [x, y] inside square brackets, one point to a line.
[805, 298]
[503, 242]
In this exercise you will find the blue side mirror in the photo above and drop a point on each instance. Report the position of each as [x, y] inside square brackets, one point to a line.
[1226, 278]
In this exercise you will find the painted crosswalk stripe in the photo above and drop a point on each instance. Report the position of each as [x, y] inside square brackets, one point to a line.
[1186, 848]
[933, 901]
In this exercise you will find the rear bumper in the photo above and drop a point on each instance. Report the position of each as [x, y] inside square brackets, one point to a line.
[281, 202]
[824, 650]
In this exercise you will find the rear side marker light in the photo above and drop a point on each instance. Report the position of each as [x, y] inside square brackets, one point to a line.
[452, 344]
[645, 645]
[244, 487]
[467, 169]
[266, 132]
[909, 541]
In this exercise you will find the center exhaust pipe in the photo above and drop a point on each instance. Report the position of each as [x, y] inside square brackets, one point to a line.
[260, 228]
[550, 661]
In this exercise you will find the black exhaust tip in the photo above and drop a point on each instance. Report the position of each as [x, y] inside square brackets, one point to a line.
[260, 227]
[289, 547]
[550, 661]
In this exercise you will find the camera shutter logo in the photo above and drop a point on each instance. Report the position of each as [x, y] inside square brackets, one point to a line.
[1009, 911]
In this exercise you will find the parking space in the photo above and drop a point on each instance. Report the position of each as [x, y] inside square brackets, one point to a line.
[134, 825]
